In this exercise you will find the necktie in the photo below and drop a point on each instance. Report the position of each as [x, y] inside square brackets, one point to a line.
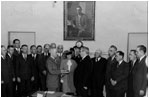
[117, 65]
[25, 56]
[11, 57]
[55, 59]
[18, 50]
[34, 57]
[46, 56]
[96, 59]
[110, 61]
[133, 63]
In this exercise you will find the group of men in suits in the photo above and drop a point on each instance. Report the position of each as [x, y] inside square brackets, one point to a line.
[126, 78]
[23, 73]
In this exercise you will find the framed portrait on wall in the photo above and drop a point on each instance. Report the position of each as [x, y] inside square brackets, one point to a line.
[79, 20]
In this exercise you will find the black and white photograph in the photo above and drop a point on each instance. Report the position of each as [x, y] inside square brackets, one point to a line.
[74, 48]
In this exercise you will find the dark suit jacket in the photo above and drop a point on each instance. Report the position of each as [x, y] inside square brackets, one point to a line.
[11, 66]
[42, 62]
[130, 92]
[84, 72]
[120, 74]
[110, 63]
[98, 73]
[34, 63]
[77, 59]
[5, 71]
[140, 77]
[24, 67]
[15, 56]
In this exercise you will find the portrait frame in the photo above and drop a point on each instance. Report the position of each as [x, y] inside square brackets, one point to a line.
[73, 30]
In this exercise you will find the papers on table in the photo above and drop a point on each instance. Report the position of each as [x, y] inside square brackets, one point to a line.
[50, 92]
[39, 95]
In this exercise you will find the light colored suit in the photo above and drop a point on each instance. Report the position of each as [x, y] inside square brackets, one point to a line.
[53, 74]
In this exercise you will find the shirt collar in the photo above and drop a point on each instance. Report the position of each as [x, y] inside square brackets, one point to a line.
[134, 61]
[84, 57]
[142, 57]
[98, 58]
[24, 54]
[59, 54]
[17, 49]
[2, 56]
[113, 57]
[46, 54]
[9, 55]
[120, 62]
[33, 55]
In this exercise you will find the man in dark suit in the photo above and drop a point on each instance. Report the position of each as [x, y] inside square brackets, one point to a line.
[110, 62]
[24, 72]
[16, 43]
[42, 66]
[140, 81]
[119, 76]
[132, 64]
[34, 61]
[6, 75]
[98, 74]
[77, 58]
[9, 57]
[83, 73]
[39, 49]
[17, 51]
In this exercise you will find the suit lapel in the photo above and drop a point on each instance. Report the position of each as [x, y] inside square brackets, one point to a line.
[120, 64]
[133, 67]
[113, 60]
[23, 58]
[52, 60]
[140, 63]
[143, 59]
